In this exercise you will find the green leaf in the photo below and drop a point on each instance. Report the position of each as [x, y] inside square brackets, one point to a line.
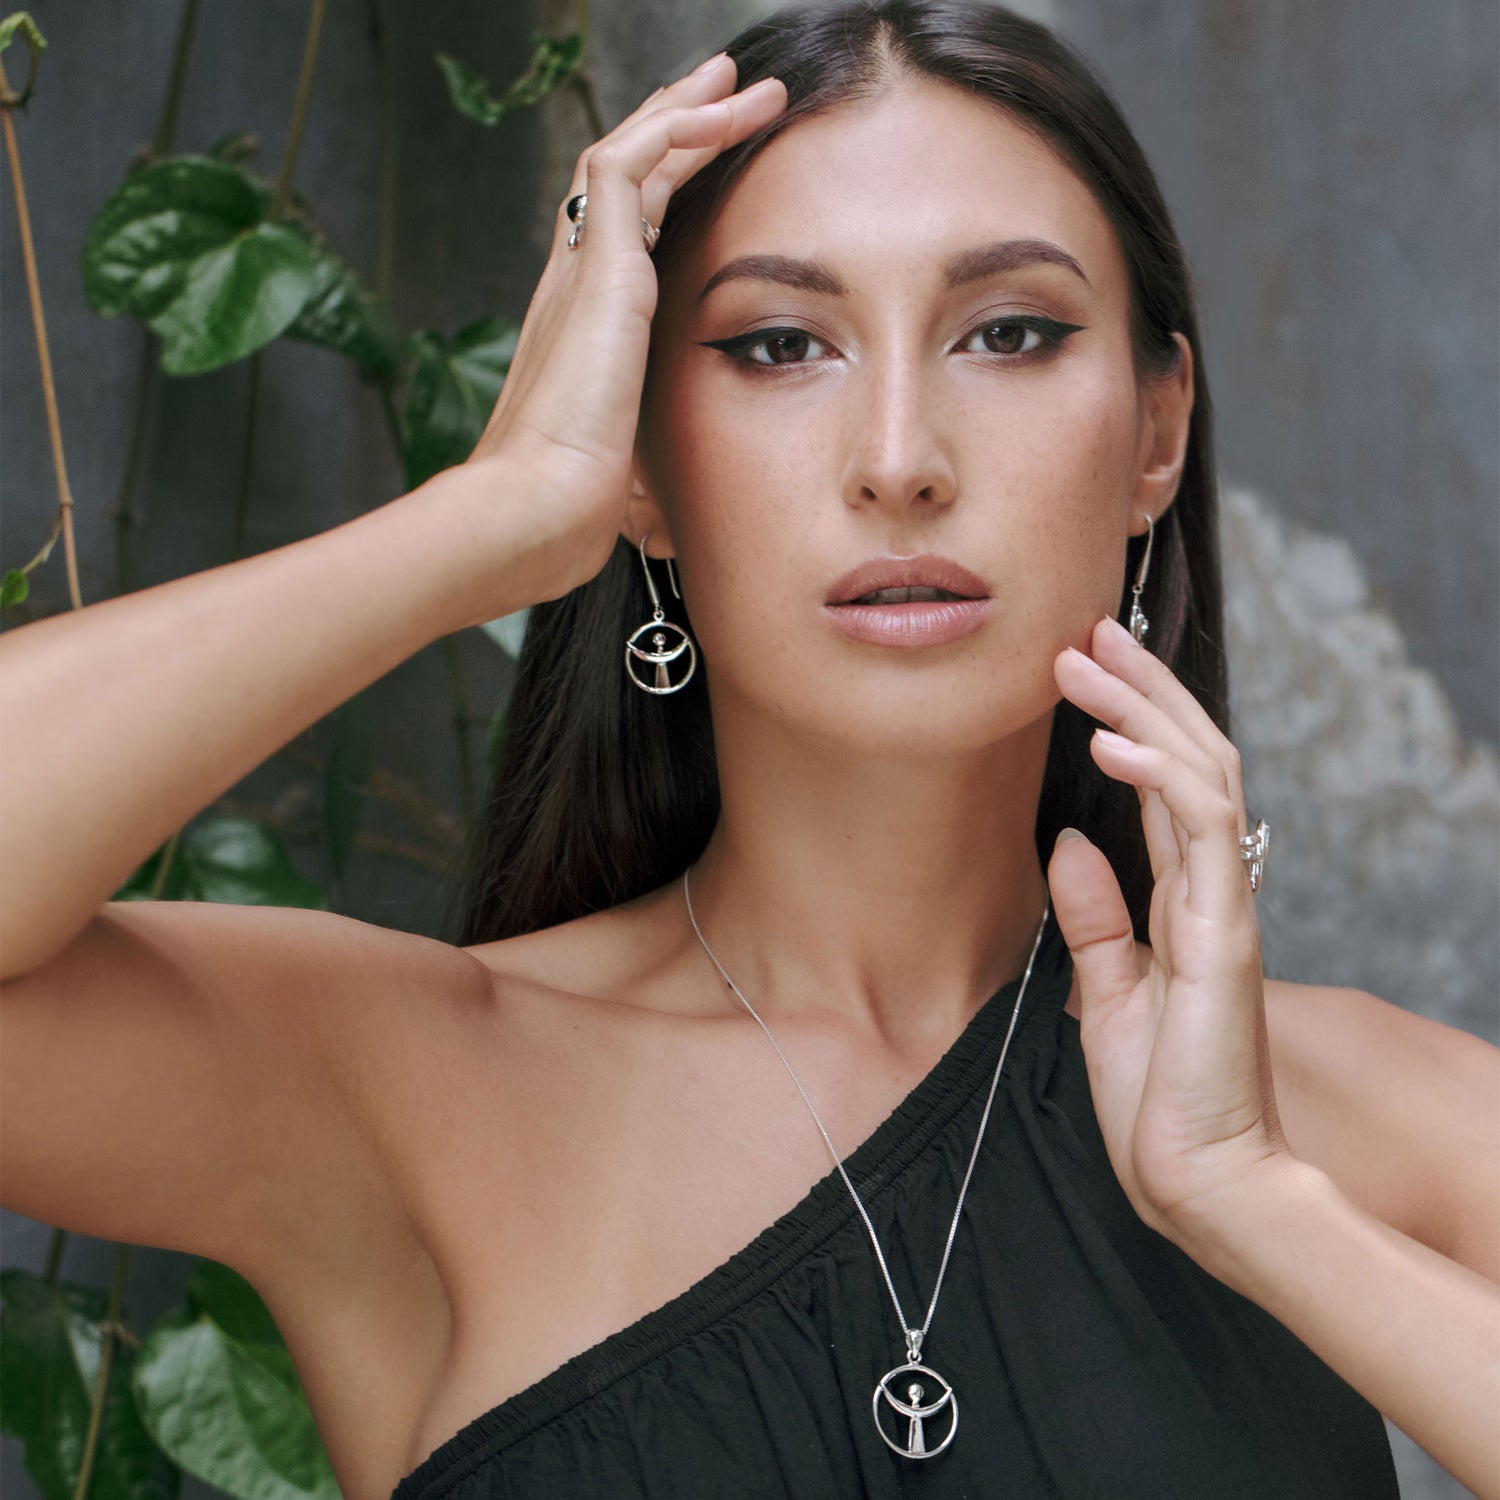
[344, 782]
[237, 300]
[51, 1343]
[235, 1305]
[14, 588]
[469, 91]
[227, 859]
[36, 44]
[453, 390]
[144, 239]
[185, 246]
[217, 1390]
[21, 21]
[554, 60]
[341, 313]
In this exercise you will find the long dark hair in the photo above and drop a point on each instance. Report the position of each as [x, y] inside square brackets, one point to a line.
[603, 792]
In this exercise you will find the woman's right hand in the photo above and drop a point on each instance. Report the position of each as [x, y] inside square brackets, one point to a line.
[567, 415]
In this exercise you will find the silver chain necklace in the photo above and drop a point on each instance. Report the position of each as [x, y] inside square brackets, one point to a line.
[917, 1408]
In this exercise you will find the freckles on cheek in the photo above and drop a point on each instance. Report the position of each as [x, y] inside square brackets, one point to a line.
[1093, 443]
[740, 467]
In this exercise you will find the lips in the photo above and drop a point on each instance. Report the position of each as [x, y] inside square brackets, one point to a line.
[906, 580]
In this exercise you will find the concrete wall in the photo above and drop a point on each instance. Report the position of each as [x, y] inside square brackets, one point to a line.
[1331, 168]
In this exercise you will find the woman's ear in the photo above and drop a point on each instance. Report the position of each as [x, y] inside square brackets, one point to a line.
[1166, 412]
[644, 516]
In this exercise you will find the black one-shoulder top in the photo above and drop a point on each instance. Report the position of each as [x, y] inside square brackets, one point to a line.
[1091, 1358]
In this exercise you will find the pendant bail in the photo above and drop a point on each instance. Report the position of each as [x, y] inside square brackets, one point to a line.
[914, 1346]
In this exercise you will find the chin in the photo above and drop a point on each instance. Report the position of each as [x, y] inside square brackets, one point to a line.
[905, 711]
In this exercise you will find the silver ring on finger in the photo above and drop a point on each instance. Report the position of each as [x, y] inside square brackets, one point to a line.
[1253, 851]
[578, 207]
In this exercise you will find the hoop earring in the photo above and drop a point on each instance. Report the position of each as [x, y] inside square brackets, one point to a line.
[1139, 624]
[659, 653]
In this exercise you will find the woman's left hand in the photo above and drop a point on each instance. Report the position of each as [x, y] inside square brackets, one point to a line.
[1178, 1058]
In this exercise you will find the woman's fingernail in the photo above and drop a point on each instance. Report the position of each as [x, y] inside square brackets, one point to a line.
[1115, 628]
[1085, 658]
[1113, 740]
[1066, 834]
[709, 62]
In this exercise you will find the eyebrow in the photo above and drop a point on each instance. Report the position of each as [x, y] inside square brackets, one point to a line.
[959, 270]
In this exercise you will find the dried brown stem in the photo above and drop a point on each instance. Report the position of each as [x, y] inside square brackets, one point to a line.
[44, 354]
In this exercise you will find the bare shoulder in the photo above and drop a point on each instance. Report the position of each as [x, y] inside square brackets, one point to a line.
[1400, 1110]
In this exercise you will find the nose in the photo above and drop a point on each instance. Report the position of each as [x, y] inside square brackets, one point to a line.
[898, 455]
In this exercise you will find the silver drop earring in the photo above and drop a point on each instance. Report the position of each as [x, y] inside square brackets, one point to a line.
[661, 651]
[1139, 624]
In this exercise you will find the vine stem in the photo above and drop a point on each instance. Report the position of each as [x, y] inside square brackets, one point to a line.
[123, 515]
[585, 91]
[283, 185]
[109, 1332]
[384, 276]
[582, 86]
[310, 42]
[299, 107]
[166, 127]
[110, 1327]
[44, 354]
[145, 382]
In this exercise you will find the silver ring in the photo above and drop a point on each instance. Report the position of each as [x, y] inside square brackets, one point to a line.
[1253, 851]
[578, 207]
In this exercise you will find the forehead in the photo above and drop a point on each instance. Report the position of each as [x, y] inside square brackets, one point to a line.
[891, 186]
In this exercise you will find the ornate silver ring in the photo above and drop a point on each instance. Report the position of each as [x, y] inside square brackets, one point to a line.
[1253, 851]
[578, 207]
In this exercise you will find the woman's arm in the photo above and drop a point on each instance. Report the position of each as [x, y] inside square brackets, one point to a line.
[1179, 1063]
[1416, 1334]
[124, 719]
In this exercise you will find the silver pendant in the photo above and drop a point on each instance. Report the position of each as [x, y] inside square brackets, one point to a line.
[658, 654]
[916, 1408]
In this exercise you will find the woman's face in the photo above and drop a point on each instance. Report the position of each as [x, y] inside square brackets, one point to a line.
[912, 402]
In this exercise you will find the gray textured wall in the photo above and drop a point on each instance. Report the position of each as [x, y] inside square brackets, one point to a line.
[1331, 168]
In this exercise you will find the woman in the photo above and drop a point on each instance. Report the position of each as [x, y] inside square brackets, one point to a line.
[910, 389]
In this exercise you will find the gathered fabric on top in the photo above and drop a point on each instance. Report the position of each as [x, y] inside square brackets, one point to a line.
[1091, 1358]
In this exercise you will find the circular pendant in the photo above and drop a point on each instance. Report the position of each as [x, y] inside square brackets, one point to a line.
[924, 1400]
[658, 653]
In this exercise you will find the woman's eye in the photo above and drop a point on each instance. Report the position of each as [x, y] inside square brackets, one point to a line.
[1014, 339]
[784, 346]
[1021, 336]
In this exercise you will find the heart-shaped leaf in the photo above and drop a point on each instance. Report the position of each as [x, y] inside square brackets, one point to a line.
[51, 1343]
[185, 245]
[452, 393]
[218, 1392]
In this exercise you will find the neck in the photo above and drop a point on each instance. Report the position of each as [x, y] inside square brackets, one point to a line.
[893, 896]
